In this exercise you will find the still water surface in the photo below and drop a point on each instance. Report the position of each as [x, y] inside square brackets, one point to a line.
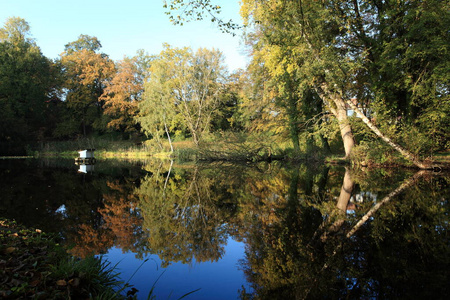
[251, 231]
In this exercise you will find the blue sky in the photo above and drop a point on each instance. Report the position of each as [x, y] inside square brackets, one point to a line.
[122, 26]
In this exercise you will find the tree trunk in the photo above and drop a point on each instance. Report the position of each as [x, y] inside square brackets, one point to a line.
[338, 109]
[195, 138]
[346, 129]
[341, 205]
[167, 178]
[83, 124]
[293, 132]
[168, 135]
[337, 215]
[346, 192]
[406, 184]
[405, 153]
[347, 136]
[325, 145]
[293, 115]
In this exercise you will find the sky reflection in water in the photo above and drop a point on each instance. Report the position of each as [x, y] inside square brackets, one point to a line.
[216, 280]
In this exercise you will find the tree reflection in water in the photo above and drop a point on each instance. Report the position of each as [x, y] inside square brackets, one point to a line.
[310, 231]
[306, 235]
[182, 215]
[399, 252]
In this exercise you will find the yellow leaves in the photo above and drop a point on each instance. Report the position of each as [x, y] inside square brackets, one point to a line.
[73, 282]
[122, 93]
[183, 88]
[251, 9]
[245, 11]
[87, 67]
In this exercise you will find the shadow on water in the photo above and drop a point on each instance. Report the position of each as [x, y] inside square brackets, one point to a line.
[310, 232]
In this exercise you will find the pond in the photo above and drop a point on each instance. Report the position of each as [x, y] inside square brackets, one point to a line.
[244, 231]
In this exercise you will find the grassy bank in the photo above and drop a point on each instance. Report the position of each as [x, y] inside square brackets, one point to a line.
[233, 147]
[33, 265]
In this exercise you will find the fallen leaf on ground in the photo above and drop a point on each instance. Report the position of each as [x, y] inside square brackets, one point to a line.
[10, 250]
[74, 282]
[61, 282]
[35, 282]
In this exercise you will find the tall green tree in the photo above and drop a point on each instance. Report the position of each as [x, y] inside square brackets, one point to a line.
[283, 90]
[409, 70]
[282, 32]
[27, 81]
[157, 115]
[228, 115]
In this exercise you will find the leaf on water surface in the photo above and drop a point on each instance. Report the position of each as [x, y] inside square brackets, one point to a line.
[132, 292]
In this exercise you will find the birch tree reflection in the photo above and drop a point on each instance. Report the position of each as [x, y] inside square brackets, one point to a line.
[393, 243]
[181, 215]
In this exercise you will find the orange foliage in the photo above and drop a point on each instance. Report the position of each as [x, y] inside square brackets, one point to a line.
[120, 224]
[122, 93]
[91, 241]
[87, 67]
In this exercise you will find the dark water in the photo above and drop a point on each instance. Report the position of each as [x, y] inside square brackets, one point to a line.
[264, 231]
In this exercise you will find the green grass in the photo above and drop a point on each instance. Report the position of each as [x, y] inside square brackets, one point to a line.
[233, 146]
[230, 146]
[103, 148]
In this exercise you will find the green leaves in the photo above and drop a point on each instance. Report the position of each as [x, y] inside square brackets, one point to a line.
[26, 80]
[198, 10]
[182, 92]
[16, 30]
[391, 58]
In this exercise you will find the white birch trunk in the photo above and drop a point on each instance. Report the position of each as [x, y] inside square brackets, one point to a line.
[405, 153]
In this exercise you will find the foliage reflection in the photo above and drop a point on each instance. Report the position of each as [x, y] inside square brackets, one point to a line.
[309, 231]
